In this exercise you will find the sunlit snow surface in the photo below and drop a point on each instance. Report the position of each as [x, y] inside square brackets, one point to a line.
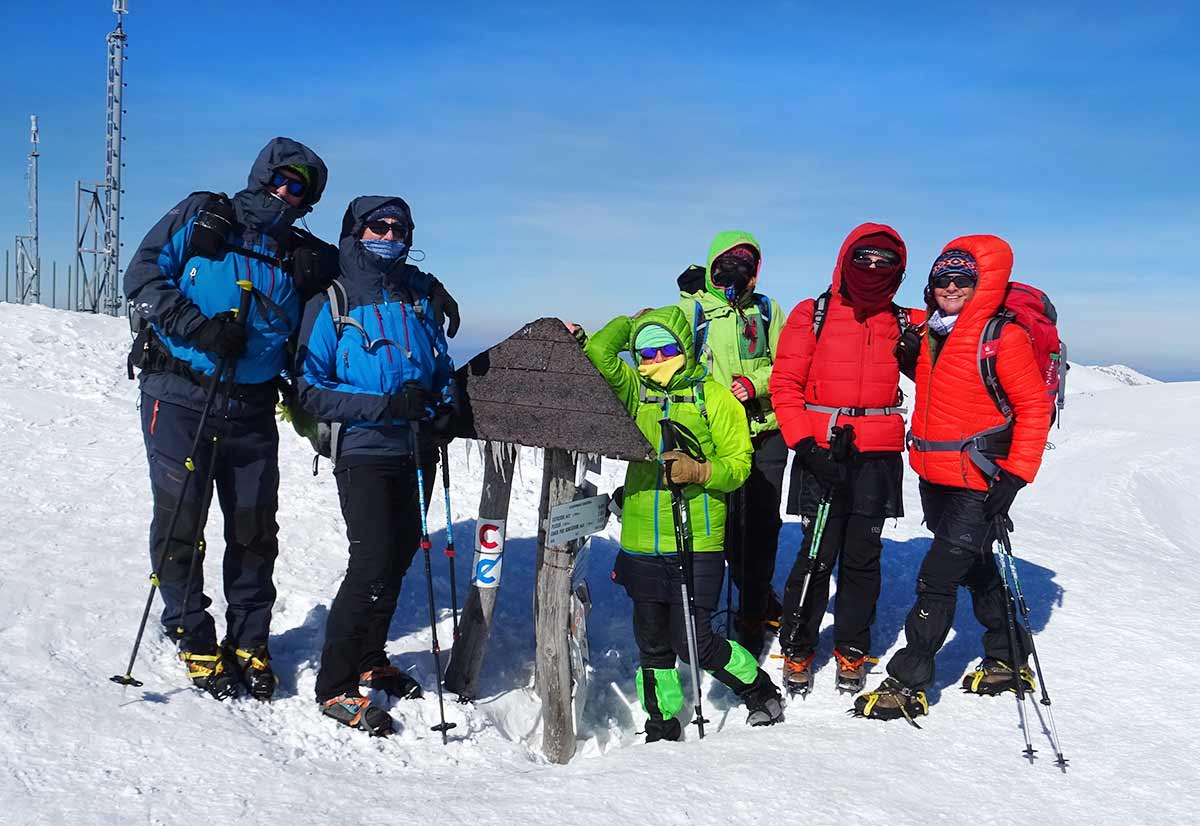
[1106, 537]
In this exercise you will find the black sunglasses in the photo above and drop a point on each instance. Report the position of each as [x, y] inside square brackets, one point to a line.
[864, 256]
[294, 187]
[958, 279]
[384, 227]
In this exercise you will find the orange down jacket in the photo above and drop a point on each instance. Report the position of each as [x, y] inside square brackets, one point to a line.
[853, 364]
[952, 402]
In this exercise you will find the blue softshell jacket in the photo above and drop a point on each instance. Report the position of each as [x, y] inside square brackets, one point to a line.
[176, 292]
[348, 378]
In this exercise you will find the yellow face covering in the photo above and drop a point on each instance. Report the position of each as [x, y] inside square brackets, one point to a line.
[661, 372]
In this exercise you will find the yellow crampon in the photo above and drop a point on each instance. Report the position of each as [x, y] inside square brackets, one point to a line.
[248, 658]
[972, 682]
[873, 697]
[197, 669]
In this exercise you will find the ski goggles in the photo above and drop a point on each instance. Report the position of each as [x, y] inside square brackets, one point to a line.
[866, 257]
[958, 279]
[294, 187]
[732, 272]
[384, 227]
[668, 350]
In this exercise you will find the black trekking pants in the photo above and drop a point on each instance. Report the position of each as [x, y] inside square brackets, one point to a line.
[961, 554]
[245, 469]
[854, 543]
[383, 523]
[660, 617]
[752, 529]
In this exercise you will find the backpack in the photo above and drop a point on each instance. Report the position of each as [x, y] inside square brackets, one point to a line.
[1033, 311]
[700, 329]
[821, 309]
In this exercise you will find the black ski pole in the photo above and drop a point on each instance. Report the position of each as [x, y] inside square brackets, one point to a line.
[683, 544]
[443, 726]
[190, 465]
[199, 546]
[1010, 616]
[1011, 564]
[445, 457]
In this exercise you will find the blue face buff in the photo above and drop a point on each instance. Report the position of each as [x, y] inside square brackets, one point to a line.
[384, 248]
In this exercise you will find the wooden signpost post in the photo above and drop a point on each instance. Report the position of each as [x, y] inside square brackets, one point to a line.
[536, 388]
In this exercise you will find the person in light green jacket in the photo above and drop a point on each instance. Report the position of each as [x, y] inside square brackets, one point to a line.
[739, 332]
[667, 381]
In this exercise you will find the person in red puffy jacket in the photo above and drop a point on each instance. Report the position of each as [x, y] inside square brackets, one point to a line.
[838, 371]
[972, 460]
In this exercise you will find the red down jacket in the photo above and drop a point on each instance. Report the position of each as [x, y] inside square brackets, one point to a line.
[952, 402]
[853, 365]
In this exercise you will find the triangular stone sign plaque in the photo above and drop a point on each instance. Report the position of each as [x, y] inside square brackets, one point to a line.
[537, 388]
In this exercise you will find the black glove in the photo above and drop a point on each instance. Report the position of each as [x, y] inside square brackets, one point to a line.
[412, 402]
[313, 266]
[908, 348]
[820, 462]
[1001, 494]
[221, 336]
[445, 304]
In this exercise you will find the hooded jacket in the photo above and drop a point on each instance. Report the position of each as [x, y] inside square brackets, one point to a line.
[647, 525]
[398, 339]
[740, 340]
[177, 292]
[952, 402]
[852, 365]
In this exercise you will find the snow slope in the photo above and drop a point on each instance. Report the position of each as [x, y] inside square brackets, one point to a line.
[1108, 535]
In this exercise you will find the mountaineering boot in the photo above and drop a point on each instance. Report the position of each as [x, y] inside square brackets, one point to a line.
[393, 681]
[797, 674]
[357, 712]
[754, 632]
[891, 701]
[992, 677]
[208, 672]
[763, 702]
[254, 665]
[663, 730]
[852, 669]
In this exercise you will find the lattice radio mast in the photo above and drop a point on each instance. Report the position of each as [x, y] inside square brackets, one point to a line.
[98, 206]
[29, 270]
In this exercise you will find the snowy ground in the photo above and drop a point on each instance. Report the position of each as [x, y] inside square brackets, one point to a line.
[1108, 535]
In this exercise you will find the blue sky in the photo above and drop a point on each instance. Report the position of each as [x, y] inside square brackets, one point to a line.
[571, 161]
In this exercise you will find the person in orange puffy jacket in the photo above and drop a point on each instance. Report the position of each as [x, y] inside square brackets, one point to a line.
[837, 370]
[972, 462]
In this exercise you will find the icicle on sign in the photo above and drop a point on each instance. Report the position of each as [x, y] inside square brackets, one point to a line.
[489, 553]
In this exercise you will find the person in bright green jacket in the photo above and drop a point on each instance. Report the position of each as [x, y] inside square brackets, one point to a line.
[668, 381]
[739, 332]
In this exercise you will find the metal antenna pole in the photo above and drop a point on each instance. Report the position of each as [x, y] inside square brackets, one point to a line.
[29, 276]
[98, 206]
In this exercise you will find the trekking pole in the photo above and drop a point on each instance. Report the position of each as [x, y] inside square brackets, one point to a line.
[1010, 615]
[1010, 562]
[190, 465]
[839, 442]
[445, 457]
[683, 543]
[443, 726]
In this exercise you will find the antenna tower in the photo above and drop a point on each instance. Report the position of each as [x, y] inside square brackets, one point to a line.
[98, 205]
[29, 270]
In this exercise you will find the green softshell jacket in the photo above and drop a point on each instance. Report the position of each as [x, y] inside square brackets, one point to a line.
[646, 522]
[734, 353]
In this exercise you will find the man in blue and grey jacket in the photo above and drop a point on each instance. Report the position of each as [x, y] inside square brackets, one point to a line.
[182, 284]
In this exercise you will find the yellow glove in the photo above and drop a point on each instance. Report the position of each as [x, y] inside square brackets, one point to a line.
[684, 470]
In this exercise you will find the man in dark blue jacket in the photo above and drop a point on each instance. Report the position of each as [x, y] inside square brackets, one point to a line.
[183, 283]
[374, 363]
